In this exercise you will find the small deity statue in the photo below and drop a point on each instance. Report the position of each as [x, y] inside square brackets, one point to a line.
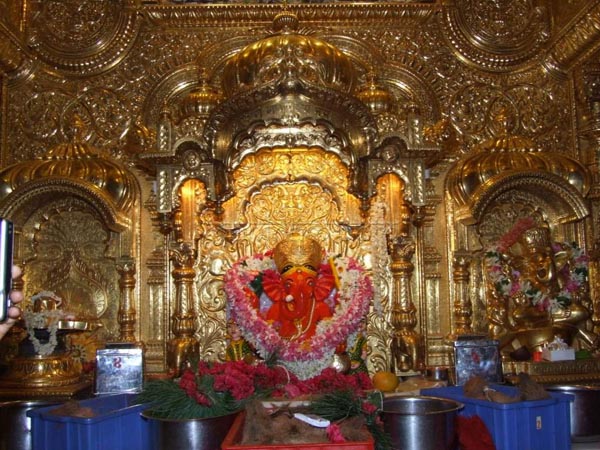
[533, 257]
[238, 348]
[300, 288]
[537, 288]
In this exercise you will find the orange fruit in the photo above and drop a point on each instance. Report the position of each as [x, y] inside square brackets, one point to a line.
[385, 381]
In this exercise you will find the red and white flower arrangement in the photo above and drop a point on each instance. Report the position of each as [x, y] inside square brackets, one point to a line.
[508, 283]
[307, 358]
[210, 389]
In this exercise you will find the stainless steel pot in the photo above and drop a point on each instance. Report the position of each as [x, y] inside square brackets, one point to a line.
[585, 411]
[421, 422]
[190, 434]
[15, 426]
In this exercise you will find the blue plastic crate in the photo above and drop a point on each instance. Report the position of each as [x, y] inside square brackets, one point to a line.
[531, 425]
[117, 425]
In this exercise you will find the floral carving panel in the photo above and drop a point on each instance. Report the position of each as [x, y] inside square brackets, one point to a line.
[82, 36]
[497, 35]
[69, 253]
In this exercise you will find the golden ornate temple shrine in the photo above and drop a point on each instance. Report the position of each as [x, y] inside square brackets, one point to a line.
[451, 147]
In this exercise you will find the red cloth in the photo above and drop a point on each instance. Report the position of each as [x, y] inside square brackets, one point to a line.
[473, 434]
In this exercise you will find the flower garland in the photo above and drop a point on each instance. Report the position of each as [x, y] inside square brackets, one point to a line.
[43, 320]
[308, 358]
[47, 320]
[507, 282]
[379, 229]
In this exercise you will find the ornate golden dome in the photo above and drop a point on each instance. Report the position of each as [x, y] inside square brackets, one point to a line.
[200, 101]
[506, 156]
[378, 99]
[78, 163]
[288, 58]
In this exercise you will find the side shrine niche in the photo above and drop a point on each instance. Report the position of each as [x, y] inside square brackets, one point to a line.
[73, 211]
[525, 209]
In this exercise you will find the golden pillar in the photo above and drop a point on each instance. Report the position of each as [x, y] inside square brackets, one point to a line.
[127, 314]
[184, 346]
[407, 343]
[462, 307]
[595, 266]
[592, 133]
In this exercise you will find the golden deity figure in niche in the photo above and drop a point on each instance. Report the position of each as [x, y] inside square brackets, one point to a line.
[299, 304]
[538, 289]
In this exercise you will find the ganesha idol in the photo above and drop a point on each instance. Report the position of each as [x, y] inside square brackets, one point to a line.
[297, 292]
[298, 304]
[538, 288]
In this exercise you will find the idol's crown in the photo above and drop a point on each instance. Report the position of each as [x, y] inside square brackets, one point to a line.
[537, 237]
[297, 251]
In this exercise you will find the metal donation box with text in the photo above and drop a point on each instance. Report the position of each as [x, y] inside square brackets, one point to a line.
[475, 356]
[119, 370]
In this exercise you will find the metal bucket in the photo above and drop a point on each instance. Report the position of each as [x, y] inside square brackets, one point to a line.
[15, 426]
[421, 423]
[585, 415]
[188, 434]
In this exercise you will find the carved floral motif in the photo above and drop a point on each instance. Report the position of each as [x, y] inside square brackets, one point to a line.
[497, 35]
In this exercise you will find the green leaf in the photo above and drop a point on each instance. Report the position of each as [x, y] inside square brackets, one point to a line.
[257, 285]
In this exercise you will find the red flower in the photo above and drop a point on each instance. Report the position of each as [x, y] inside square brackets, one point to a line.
[238, 378]
[327, 381]
[188, 383]
[369, 408]
[334, 433]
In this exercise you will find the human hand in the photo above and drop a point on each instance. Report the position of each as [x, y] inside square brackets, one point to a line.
[14, 311]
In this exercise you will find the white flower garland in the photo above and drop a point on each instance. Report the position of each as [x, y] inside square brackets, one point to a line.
[508, 283]
[43, 320]
[380, 256]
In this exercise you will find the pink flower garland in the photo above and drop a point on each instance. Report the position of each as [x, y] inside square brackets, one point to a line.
[515, 233]
[508, 283]
[355, 297]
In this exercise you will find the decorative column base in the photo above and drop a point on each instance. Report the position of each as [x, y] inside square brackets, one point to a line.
[180, 351]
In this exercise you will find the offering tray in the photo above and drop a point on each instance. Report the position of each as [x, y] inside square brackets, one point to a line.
[77, 325]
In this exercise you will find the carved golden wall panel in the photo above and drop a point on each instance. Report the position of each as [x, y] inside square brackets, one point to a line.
[79, 40]
[497, 36]
[452, 66]
[302, 190]
[293, 164]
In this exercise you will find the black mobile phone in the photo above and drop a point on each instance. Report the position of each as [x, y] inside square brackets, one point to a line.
[6, 262]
